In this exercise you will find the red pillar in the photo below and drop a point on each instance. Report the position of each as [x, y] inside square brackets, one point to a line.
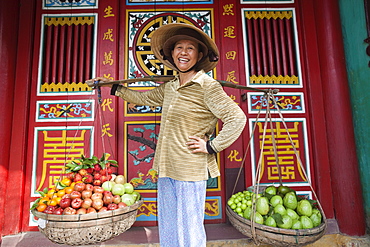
[14, 213]
[347, 196]
[9, 11]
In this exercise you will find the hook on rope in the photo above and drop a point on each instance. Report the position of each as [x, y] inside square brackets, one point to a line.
[96, 86]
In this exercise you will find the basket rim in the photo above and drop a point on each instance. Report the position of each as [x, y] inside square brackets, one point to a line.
[297, 232]
[90, 216]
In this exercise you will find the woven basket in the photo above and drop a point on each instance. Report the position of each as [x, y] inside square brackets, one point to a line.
[273, 235]
[84, 229]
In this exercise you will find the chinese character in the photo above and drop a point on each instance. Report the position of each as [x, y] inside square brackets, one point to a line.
[108, 58]
[228, 9]
[230, 55]
[108, 11]
[229, 32]
[108, 76]
[105, 130]
[231, 77]
[108, 35]
[233, 156]
[233, 97]
[107, 103]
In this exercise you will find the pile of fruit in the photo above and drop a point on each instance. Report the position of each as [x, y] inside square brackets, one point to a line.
[89, 186]
[277, 207]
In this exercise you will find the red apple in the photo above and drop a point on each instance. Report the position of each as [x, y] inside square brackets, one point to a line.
[91, 210]
[81, 211]
[65, 202]
[104, 178]
[82, 172]
[49, 209]
[97, 167]
[66, 196]
[98, 189]
[89, 187]
[103, 209]
[77, 177]
[116, 199]
[75, 194]
[108, 199]
[122, 205]
[76, 203]
[79, 187]
[86, 194]
[112, 206]
[97, 195]
[97, 183]
[107, 193]
[69, 211]
[58, 211]
[86, 203]
[97, 204]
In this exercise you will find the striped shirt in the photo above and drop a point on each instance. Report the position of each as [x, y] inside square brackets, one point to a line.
[192, 109]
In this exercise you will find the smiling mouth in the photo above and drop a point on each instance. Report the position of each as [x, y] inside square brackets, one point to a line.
[183, 60]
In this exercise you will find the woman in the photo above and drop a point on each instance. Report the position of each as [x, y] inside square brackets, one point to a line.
[191, 104]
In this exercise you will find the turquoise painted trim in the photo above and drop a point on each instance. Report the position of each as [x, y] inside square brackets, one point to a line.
[153, 217]
[354, 32]
[163, 2]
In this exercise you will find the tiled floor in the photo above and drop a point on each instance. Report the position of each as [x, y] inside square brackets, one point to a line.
[135, 236]
[224, 235]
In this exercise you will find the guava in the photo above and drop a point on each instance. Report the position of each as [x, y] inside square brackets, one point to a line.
[280, 209]
[290, 200]
[108, 185]
[271, 190]
[136, 195]
[247, 213]
[306, 222]
[304, 208]
[282, 190]
[270, 222]
[118, 189]
[262, 205]
[292, 214]
[129, 188]
[316, 217]
[128, 199]
[275, 200]
[120, 179]
[296, 224]
[257, 217]
[287, 222]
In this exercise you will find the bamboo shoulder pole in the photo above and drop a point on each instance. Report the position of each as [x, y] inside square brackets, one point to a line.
[93, 84]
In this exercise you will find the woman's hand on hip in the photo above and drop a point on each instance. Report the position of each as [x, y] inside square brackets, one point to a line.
[197, 144]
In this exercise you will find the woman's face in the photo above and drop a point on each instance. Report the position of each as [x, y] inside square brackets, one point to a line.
[185, 54]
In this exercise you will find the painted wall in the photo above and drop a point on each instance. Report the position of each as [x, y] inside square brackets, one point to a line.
[354, 32]
[11, 222]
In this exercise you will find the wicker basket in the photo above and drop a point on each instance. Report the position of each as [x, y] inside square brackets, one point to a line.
[273, 235]
[90, 228]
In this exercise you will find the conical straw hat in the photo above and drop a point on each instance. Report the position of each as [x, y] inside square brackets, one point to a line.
[165, 37]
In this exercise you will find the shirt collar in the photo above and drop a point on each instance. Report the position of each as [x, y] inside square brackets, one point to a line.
[198, 78]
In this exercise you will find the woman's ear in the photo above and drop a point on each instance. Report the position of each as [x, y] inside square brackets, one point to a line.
[200, 56]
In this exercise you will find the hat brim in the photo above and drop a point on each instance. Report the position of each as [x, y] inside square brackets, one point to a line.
[165, 32]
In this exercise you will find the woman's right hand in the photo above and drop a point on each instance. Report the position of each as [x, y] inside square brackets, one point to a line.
[103, 82]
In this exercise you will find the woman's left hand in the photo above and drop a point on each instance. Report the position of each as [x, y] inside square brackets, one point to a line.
[198, 144]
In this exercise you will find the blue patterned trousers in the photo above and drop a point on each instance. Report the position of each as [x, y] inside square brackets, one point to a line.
[181, 206]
